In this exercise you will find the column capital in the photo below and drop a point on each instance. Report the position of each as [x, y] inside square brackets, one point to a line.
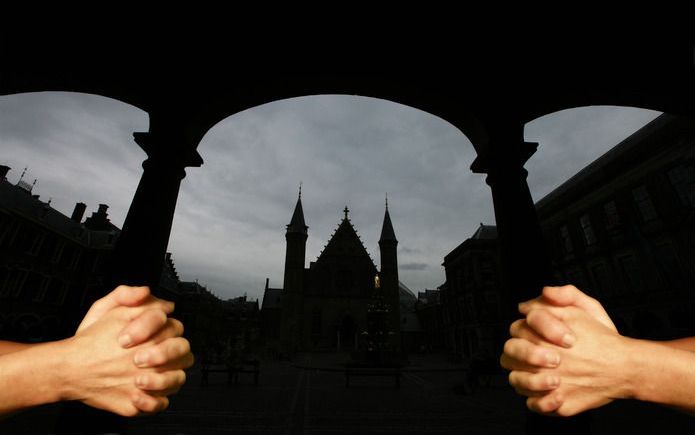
[166, 151]
[504, 158]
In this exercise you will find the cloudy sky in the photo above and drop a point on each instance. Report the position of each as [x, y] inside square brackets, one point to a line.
[229, 225]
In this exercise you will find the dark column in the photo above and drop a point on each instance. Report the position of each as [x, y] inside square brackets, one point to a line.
[525, 263]
[140, 251]
[141, 247]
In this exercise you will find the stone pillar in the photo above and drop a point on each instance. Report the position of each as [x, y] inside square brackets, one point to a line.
[139, 254]
[140, 250]
[526, 266]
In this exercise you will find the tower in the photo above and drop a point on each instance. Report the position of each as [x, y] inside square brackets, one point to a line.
[293, 285]
[389, 276]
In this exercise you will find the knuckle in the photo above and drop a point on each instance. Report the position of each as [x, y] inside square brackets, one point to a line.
[512, 379]
[509, 347]
[182, 346]
[159, 382]
[565, 411]
[163, 404]
[130, 411]
[503, 361]
[515, 327]
[178, 327]
[532, 404]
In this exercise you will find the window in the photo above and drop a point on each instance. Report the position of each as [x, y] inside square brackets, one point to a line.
[62, 294]
[566, 240]
[75, 259]
[683, 181]
[602, 278]
[43, 288]
[35, 245]
[587, 230]
[670, 266]
[58, 252]
[4, 281]
[644, 203]
[8, 231]
[16, 284]
[612, 216]
[631, 273]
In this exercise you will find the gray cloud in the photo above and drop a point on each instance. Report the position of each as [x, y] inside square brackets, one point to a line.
[228, 229]
[412, 266]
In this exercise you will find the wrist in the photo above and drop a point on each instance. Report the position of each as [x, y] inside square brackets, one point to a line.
[67, 370]
[635, 375]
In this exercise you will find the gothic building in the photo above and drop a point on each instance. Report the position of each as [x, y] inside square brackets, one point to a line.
[325, 306]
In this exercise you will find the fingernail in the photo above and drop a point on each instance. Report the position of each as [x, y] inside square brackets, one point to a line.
[568, 340]
[553, 381]
[553, 359]
[140, 359]
[521, 307]
[140, 381]
[125, 340]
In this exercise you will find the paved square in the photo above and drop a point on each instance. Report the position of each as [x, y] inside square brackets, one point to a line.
[290, 400]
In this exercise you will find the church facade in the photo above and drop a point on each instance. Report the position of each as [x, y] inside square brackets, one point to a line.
[327, 305]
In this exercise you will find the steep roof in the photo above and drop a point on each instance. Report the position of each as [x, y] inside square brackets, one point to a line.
[387, 233]
[271, 298]
[297, 224]
[485, 232]
[344, 242]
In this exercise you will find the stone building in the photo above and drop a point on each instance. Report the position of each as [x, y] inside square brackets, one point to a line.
[623, 229]
[325, 305]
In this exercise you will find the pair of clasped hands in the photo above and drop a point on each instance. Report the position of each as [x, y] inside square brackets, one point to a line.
[566, 356]
[127, 356]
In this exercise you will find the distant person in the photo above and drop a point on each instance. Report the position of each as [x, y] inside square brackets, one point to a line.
[126, 357]
[567, 357]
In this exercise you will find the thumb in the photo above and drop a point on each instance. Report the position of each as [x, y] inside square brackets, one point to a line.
[129, 296]
[121, 296]
[568, 295]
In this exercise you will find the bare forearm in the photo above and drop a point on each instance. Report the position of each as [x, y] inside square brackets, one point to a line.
[663, 374]
[31, 376]
[12, 346]
[687, 343]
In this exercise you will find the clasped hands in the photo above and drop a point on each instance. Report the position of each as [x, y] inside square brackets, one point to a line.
[566, 355]
[127, 356]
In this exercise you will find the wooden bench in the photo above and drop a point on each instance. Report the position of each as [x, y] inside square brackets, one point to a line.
[250, 366]
[373, 371]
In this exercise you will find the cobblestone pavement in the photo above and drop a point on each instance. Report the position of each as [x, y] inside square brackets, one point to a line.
[315, 400]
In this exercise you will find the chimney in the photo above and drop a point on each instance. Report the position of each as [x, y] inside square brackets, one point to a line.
[78, 213]
[267, 281]
[3, 172]
[102, 209]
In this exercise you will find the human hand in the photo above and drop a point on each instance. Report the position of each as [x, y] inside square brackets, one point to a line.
[141, 328]
[568, 295]
[592, 372]
[129, 381]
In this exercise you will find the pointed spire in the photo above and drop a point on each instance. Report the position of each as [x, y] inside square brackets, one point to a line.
[387, 233]
[297, 224]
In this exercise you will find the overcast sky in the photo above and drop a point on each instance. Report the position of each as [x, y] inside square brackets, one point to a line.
[229, 225]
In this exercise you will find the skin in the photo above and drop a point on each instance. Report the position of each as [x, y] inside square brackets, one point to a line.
[126, 357]
[566, 356]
